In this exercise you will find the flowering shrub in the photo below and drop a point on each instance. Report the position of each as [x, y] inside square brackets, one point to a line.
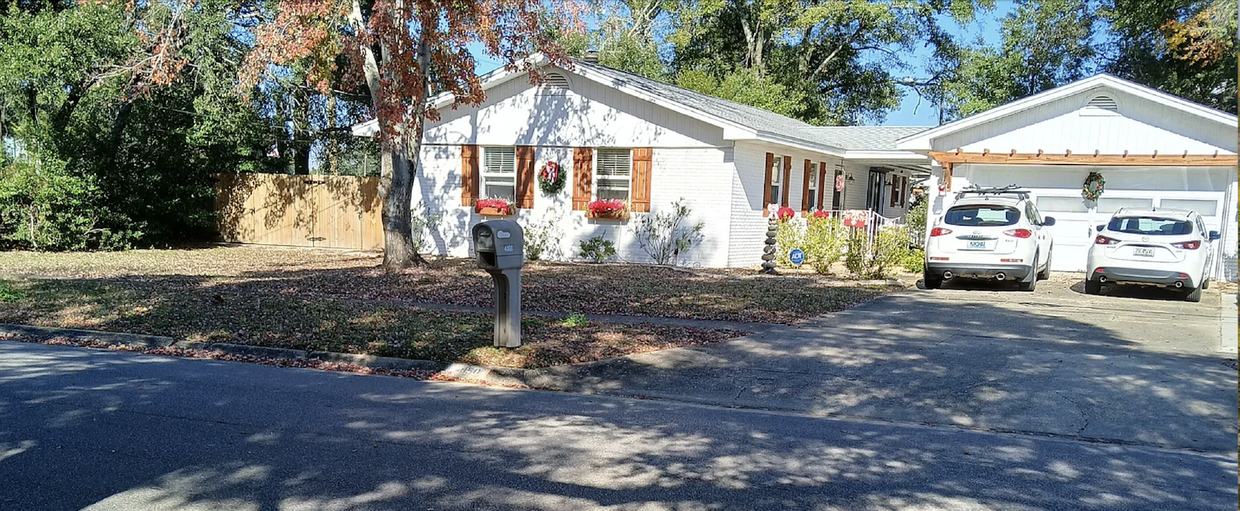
[606, 206]
[785, 213]
[503, 205]
[820, 214]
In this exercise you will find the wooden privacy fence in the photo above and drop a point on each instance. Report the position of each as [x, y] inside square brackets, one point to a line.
[302, 211]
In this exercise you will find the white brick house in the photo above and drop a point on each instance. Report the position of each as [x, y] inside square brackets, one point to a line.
[712, 153]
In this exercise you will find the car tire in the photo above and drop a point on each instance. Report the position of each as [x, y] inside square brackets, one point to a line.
[1205, 283]
[931, 282]
[1093, 286]
[1030, 282]
[1194, 295]
[1046, 274]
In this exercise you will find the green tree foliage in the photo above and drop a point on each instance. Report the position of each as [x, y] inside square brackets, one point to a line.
[115, 116]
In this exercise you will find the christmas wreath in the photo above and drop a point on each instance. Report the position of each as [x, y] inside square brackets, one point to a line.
[550, 178]
[1094, 186]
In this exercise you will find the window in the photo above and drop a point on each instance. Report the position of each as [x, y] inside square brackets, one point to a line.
[777, 175]
[1111, 205]
[981, 215]
[1202, 207]
[612, 177]
[813, 187]
[1150, 226]
[499, 172]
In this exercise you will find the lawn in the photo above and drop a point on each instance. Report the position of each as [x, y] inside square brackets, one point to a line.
[640, 290]
[338, 301]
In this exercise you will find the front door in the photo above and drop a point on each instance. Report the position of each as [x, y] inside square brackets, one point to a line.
[874, 196]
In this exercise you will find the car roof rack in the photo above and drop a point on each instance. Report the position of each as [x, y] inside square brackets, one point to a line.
[993, 190]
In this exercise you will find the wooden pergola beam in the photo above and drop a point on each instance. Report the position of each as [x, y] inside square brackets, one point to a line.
[1067, 158]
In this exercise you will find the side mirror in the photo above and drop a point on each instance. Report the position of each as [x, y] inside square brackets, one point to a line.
[1214, 235]
[1048, 221]
[1101, 227]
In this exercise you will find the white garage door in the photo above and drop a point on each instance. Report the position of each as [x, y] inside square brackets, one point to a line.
[1057, 193]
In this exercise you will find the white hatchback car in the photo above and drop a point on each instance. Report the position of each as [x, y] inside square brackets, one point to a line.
[990, 233]
[1159, 247]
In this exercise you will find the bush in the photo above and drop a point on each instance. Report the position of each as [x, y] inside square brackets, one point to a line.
[824, 243]
[45, 207]
[597, 249]
[789, 234]
[914, 260]
[874, 260]
[663, 238]
[540, 239]
[916, 218]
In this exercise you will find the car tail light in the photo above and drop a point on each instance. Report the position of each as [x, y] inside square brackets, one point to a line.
[1188, 245]
[1019, 233]
[1100, 270]
[939, 231]
[1103, 240]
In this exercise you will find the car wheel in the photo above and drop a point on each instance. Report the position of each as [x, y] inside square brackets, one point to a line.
[1205, 283]
[1046, 274]
[1194, 295]
[1093, 287]
[1030, 281]
[932, 282]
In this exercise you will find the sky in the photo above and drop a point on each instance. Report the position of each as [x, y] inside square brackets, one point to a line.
[911, 111]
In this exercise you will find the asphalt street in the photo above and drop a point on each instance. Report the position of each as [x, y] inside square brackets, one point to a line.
[99, 430]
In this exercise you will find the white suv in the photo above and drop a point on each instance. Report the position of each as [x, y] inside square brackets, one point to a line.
[990, 233]
[1160, 247]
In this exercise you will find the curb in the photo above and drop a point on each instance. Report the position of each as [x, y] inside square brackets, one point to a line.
[155, 341]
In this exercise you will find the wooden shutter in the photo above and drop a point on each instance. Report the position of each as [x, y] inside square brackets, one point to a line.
[947, 177]
[583, 177]
[822, 184]
[766, 183]
[469, 175]
[805, 189]
[783, 187]
[639, 187]
[525, 177]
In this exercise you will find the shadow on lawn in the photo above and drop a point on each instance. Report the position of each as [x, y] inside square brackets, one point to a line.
[234, 436]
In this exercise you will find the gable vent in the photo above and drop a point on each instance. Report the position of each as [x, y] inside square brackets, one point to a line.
[554, 83]
[1103, 102]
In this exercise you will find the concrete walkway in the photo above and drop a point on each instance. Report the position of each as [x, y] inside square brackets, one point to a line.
[1116, 368]
[1228, 323]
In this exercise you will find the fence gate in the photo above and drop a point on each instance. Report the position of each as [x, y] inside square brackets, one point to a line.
[302, 211]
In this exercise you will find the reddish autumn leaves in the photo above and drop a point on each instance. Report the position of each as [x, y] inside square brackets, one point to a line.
[408, 50]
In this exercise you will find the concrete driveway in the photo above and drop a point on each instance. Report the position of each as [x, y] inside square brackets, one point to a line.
[1128, 367]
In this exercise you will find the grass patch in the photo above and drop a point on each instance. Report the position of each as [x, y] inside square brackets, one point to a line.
[8, 294]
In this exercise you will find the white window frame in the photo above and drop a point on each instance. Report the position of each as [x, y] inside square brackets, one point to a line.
[486, 175]
[813, 185]
[598, 176]
[777, 176]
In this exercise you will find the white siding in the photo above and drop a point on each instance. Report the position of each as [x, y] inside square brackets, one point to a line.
[1141, 127]
[587, 115]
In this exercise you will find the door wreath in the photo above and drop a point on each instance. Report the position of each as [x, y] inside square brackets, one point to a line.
[1094, 186]
[550, 178]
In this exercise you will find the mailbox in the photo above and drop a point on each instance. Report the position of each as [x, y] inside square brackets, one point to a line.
[499, 248]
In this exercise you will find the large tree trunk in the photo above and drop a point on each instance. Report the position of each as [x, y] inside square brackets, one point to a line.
[301, 131]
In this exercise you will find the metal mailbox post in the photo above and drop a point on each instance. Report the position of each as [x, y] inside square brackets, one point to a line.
[499, 247]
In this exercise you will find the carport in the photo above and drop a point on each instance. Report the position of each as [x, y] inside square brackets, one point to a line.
[1153, 150]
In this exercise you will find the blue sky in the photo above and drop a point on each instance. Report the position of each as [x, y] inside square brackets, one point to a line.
[910, 112]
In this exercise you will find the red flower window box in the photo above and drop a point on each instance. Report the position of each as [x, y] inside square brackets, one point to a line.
[614, 209]
[493, 207]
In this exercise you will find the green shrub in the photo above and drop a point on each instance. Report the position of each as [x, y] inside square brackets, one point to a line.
[875, 259]
[824, 243]
[916, 218]
[540, 239]
[915, 260]
[45, 207]
[790, 234]
[597, 249]
[663, 238]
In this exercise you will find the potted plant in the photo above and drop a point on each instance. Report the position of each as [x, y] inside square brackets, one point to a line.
[493, 207]
[614, 209]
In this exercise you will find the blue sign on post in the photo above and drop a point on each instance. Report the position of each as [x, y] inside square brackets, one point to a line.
[797, 256]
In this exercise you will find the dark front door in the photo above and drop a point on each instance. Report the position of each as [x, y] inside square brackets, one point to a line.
[874, 199]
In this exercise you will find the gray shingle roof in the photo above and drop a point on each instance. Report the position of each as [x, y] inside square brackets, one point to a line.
[871, 138]
[866, 138]
[745, 115]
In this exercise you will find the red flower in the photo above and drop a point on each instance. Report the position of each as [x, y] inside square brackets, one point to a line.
[785, 213]
[822, 213]
[500, 204]
[606, 206]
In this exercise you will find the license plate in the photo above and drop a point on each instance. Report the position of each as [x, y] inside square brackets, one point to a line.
[977, 245]
[1143, 251]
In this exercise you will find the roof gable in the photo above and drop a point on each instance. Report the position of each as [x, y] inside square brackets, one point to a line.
[1102, 89]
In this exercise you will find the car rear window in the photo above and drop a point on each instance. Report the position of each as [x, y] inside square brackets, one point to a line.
[1150, 226]
[981, 215]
